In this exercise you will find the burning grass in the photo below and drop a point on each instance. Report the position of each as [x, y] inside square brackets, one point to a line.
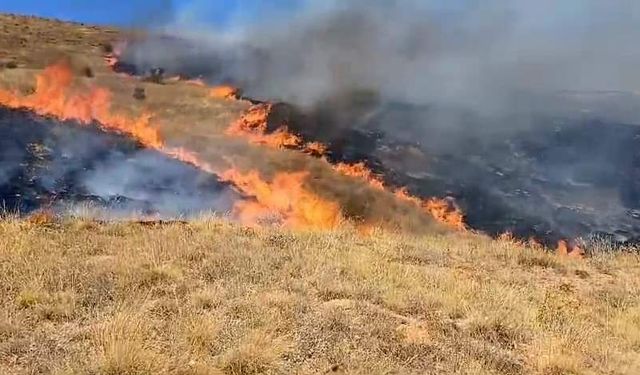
[284, 198]
[54, 96]
[210, 297]
[254, 126]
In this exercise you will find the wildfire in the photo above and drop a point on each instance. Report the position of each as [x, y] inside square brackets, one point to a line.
[113, 57]
[196, 82]
[316, 149]
[224, 92]
[360, 170]
[53, 96]
[253, 126]
[215, 92]
[445, 211]
[284, 199]
[568, 250]
[442, 210]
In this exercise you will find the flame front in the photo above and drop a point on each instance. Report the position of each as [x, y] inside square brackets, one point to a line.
[253, 126]
[224, 92]
[360, 171]
[284, 199]
[442, 210]
[53, 96]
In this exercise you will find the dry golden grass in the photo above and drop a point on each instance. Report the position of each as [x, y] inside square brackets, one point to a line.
[213, 298]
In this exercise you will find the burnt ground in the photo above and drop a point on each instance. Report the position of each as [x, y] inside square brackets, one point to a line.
[48, 164]
[544, 177]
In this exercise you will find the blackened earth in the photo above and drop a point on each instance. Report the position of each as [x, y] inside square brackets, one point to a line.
[45, 163]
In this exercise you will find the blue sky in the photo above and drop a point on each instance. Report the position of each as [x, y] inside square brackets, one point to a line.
[219, 13]
[116, 12]
[140, 12]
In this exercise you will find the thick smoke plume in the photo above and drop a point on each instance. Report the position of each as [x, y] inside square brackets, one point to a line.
[487, 55]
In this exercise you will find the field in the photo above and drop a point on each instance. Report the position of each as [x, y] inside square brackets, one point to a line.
[210, 297]
[213, 297]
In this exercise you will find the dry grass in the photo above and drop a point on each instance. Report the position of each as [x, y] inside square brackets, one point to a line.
[213, 298]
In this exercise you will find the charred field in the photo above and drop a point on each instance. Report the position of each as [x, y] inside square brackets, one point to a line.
[547, 178]
[52, 166]
[184, 221]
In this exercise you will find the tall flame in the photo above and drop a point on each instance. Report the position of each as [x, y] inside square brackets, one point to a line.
[253, 125]
[286, 198]
[53, 96]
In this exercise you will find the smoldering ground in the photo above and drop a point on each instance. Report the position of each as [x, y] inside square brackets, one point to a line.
[523, 111]
[48, 164]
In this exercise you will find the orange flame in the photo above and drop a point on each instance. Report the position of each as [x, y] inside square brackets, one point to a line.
[196, 82]
[53, 97]
[442, 210]
[224, 92]
[111, 60]
[253, 126]
[572, 251]
[316, 149]
[113, 57]
[360, 170]
[284, 199]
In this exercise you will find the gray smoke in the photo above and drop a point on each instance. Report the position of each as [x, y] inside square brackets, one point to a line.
[168, 188]
[486, 55]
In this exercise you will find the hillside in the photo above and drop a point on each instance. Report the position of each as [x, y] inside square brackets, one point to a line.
[177, 115]
[213, 298]
[353, 277]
